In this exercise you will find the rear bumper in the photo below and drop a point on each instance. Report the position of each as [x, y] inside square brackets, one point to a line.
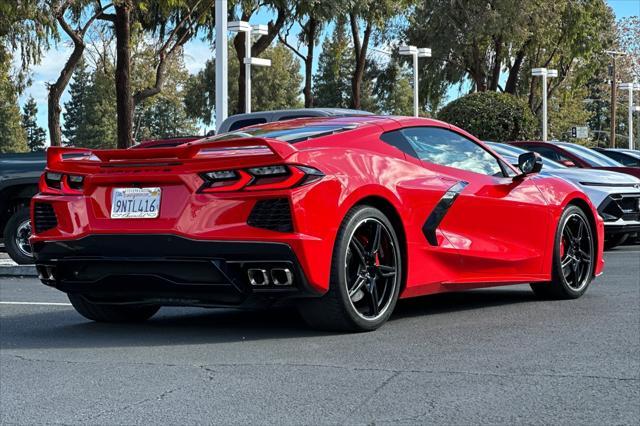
[168, 270]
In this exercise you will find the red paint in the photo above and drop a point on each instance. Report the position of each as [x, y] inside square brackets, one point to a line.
[499, 231]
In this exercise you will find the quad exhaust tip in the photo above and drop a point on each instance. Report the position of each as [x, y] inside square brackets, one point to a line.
[276, 276]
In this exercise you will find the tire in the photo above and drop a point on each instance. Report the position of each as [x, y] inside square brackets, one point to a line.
[373, 276]
[615, 240]
[572, 281]
[112, 313]
[17, 228]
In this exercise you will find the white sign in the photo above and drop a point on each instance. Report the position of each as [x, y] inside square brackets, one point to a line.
[582, 132]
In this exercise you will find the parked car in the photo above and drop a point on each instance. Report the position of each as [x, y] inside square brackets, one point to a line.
[573, 155]
[340, 216]
[626, 157]
[19, 176]
[616, 195]
[239, 121]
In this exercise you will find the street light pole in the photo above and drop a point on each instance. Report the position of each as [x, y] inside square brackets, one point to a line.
[544, 73]
[221, 62]
[249, 30]
[630, 88]
[614, 94]
[415, 53]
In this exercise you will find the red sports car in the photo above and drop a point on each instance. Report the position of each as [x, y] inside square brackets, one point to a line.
[341, 216]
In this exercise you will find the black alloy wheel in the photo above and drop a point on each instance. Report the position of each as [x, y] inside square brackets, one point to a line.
[366, 275]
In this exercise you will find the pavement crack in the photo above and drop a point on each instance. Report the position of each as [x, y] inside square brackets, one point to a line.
[375, 392]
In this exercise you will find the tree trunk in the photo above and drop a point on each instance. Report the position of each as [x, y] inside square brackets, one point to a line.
[55, 93]
[497, 63]
[124, 101]
[312, 27]
[360, 51]
[514, 73]
[238, 44]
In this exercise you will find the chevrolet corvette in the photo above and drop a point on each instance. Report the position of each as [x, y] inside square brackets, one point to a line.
[340, 216]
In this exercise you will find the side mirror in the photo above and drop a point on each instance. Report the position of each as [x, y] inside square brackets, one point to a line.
[530, 162]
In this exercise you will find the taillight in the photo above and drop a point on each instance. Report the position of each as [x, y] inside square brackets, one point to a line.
[54, 183]
[259, 178]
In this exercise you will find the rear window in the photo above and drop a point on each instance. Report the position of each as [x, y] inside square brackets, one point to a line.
[246, 123]
[291, 135]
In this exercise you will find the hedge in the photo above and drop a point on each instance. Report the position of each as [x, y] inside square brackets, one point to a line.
[491, 116]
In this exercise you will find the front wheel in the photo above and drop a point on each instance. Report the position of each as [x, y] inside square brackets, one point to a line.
[366, 274]
[16, 236]
[573, 258]
[101, 312]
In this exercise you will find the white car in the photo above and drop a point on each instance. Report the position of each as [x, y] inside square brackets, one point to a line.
[617, 195]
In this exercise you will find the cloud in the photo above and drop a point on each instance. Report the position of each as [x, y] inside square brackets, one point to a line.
[196, 54]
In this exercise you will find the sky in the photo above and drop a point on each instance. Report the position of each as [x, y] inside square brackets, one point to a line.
[197, 52]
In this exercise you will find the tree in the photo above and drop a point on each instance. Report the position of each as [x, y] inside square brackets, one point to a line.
[375, 15]
[491, 116]
[76, 108]
[69, 15]
[332, 82]
[12, 136]
[311, 16]
[274, 87]
[394, 91]
[36, 135]
[495, 43]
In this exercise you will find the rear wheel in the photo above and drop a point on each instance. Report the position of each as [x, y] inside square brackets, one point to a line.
[573, 258]
[366, 274]
[111, 313]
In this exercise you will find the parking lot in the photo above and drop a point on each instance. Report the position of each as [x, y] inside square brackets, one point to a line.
[487, 356]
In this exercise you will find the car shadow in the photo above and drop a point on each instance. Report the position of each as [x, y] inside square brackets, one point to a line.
[64, 328]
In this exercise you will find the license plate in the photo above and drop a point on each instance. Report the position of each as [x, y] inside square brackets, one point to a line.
[135, 203]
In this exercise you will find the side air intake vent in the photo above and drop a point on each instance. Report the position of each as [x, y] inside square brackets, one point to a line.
[273, 214]
[45, 217]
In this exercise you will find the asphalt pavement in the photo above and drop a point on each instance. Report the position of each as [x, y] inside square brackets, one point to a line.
[496, 356]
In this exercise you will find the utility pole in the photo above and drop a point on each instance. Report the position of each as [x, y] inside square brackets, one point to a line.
[221, 62]
[630, 87]
[614, 93]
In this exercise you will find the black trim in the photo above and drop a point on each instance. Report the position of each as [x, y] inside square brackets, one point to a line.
[167, 269]
[440, 210]
[621, 229]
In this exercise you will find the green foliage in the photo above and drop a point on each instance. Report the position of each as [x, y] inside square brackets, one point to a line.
[13, 138]
[274, 87]
[394, 90]
[332, 82]
[75, 113]
[36, 135]
[491, 116]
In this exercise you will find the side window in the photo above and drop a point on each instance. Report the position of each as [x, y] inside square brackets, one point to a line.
[447, 148]
[246, 123]
[549, 153]
[624, 159]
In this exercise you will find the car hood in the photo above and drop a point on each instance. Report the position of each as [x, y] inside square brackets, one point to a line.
[599, 177]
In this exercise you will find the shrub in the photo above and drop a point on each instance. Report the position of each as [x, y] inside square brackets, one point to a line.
[491, 116]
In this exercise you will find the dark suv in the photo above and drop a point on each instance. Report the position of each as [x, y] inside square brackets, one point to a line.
[19, 176]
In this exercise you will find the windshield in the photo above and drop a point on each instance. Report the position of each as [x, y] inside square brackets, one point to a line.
[594, 158]
[285, 134]
[511, 154]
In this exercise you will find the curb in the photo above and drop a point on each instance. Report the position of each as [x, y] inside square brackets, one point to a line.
[18, 271]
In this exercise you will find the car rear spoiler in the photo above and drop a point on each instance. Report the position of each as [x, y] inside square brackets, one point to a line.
[59, 156]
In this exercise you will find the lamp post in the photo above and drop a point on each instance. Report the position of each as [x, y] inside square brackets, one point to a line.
[630, 87]
[544, 73]
[249, 30]
[614, 77]
[221, 62]
[416, 53]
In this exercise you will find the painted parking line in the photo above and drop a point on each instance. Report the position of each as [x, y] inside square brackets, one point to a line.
[35, 303]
